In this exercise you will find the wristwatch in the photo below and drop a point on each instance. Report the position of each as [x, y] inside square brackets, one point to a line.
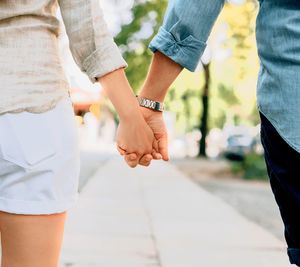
[151, 104]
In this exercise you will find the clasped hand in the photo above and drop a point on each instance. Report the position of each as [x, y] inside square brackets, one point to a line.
[142, 138]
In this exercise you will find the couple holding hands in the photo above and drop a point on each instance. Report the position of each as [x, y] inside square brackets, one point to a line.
[142, 134]
[179, 44]
[39, 152]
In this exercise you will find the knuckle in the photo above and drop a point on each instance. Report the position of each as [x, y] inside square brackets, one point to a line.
[140, 151]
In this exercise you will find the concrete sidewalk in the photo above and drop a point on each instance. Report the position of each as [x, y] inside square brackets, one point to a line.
[157, 217]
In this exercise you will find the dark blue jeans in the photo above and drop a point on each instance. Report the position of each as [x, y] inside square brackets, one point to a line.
[283, 164]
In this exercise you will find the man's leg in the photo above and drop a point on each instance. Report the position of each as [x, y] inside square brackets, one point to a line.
[283, 164]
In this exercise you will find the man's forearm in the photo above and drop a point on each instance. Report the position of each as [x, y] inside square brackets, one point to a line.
[161, 75]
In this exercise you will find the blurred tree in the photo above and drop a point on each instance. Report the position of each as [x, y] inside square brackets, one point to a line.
[241, 30]
[134, 38]
[241, 27]
[188, 94]
[228, 83]
[205, 103]
[242, 65]
[228, 95]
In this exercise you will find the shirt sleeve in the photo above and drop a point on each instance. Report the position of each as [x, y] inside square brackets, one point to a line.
[185, 30]
[90, 41]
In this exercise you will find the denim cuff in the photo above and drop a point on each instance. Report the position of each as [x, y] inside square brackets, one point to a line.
[294, 255]
[186, 52]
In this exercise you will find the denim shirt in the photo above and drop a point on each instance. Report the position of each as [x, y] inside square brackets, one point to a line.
[187, 26]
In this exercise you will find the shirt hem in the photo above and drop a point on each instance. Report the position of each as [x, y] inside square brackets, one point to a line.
[274, 124]
[41, 108]
[37, 207]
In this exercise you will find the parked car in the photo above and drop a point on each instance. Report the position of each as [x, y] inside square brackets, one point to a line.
[240, 141]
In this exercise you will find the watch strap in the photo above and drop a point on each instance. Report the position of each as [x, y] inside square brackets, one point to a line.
[151, 104]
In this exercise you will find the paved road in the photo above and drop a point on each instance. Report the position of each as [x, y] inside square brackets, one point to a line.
[254, 200]
[158, 217]
[90, 162]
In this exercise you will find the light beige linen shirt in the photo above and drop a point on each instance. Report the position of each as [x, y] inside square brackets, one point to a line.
[31, 74]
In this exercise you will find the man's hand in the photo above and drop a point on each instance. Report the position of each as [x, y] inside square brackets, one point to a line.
[156, 122]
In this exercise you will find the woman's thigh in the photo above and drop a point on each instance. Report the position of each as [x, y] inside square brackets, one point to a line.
[31, 240]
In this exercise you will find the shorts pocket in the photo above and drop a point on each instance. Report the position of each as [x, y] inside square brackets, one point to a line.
[26, 139]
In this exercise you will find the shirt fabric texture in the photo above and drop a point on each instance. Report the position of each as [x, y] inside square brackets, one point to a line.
[183, 38]
[31, 74]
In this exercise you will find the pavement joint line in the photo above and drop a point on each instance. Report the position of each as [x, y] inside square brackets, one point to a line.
[177, 234]
[150, 222]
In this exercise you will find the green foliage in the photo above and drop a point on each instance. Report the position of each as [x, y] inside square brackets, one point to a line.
[241, 32]
[252, 167]
[228, 95]
[238, 72]
[135, 37]
[233, 79]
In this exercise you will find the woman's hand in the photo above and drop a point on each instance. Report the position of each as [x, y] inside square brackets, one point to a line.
[136, 140]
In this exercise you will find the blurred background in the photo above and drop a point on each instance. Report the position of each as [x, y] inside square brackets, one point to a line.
[212, 119]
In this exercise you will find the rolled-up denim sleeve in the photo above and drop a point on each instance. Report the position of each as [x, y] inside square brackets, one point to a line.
[185, 30]
[90, 41]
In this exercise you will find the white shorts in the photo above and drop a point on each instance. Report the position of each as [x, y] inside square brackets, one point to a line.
[39, 160]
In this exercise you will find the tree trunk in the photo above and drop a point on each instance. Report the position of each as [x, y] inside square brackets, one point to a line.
[204, 118]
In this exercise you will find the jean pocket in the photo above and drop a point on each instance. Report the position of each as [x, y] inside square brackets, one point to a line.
[26, 139]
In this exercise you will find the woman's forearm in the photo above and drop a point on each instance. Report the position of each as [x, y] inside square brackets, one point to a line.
[161, 75]
[120, 94]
